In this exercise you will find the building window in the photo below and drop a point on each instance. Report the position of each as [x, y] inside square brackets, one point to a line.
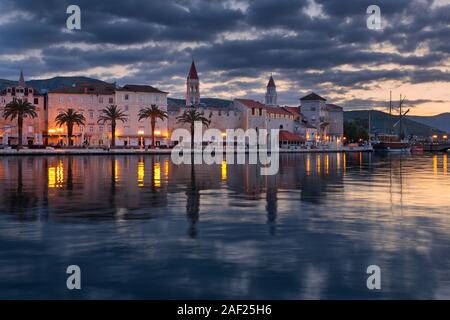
[253, 111]
[91, 114]
[313, 108]
[30, 129]
[111, 100]
[260, 112]
[91, 129]
[100, 128]
[81, 128]
[36, 101]
[126, 97]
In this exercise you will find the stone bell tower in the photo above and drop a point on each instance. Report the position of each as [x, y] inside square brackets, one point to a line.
[271, 93]
[193, 87]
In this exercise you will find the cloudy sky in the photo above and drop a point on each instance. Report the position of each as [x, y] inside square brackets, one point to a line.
[308, 45]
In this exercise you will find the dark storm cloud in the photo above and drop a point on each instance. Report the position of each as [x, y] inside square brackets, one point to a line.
[230, 39]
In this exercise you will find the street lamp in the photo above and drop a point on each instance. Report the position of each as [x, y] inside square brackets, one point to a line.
[141, 133]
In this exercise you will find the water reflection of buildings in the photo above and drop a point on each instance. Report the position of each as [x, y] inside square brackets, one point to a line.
[309, 174]
[143, 185]
[97, 185]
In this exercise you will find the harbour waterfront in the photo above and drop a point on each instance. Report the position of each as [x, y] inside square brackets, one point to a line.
[140, 227]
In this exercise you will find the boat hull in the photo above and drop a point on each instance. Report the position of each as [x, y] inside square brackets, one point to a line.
[392, 147]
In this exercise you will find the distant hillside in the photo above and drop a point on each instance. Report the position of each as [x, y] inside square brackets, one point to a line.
[440, 121]
[381, 123]
[49, 84]
[207, 101]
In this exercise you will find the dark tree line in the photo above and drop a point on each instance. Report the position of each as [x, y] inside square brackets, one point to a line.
[355, 130]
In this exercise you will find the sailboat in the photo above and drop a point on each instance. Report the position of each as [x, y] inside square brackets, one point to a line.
[393, 142]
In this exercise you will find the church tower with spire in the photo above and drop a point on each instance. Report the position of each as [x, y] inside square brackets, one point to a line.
[21, 80]
[271, 93]
[193, 87]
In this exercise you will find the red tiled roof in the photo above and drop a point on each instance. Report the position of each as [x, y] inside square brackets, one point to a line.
[333, 107]
[277, 110]
[87, 88]
[289, 136]
[251, 103]
[140, 88]
[255, 104]
[295, 111]
[313, 96]
[193, 72]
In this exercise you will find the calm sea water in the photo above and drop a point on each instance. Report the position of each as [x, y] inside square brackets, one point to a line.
[141, 227]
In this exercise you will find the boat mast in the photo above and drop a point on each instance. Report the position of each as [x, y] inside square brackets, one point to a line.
[390, 112]
[401, 117]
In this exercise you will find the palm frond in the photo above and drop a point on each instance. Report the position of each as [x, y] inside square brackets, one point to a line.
[152, 112]
[112, 114]
[191, 116]
[70, 117]
[19, 109]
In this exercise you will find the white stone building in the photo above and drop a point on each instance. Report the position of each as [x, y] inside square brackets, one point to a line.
[91, 98]
[328, 119]
[34, 130]
[131, 99]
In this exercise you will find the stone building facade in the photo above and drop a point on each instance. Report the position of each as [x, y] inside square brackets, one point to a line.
[328, 119]
[35, 129]
[91, 98]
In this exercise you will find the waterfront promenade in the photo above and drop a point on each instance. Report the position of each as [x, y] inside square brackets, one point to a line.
[99, 151]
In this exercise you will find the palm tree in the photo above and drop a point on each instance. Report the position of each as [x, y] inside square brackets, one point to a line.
[190, 117]
[70, 118]
[112, 114]
[153, 112]
[19, 109]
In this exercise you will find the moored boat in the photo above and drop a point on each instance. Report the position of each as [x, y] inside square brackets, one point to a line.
[391, 143]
